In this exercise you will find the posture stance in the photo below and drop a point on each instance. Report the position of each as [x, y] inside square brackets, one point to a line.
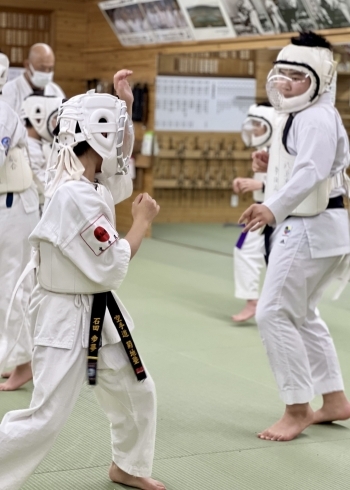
[19, 204]
[248, 253]
[80, 259]
[304, 202]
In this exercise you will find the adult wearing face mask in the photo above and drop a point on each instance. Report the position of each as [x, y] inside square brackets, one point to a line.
[37, 78]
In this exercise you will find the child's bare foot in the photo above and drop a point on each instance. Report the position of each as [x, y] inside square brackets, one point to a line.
[295, 419]
[335, 407]
[247, 312]
[6, 375]
[119, 476]
[19, 376]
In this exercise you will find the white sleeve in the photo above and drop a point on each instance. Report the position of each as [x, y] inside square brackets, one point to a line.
[9, 96]
[316, 148]
[109, 268]
[80, 224]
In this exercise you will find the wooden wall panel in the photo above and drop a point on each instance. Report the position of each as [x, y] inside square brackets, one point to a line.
[69, 35]
[105, 55]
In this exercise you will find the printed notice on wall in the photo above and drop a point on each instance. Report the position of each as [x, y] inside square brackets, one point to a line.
[202, 103]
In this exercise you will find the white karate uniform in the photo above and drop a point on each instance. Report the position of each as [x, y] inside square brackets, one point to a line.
[303, 259]
[15, 91]
[248, 263]
[38, 163]
[16, 224]
[61, 334]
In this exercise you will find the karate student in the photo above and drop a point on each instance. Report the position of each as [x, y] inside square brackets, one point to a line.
[36, 79]
[40, 116]
[19, 214]
[248, 253]
[81, 260]
[304, 202]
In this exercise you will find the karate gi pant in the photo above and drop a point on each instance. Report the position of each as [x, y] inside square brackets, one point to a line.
[248, 263]
[16, 224]
[26, 436]
[297, 341]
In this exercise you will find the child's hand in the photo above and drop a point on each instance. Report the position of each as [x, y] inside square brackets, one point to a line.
[236, 185]
[256, 216]
[250, 185]
[144, 208]
[243, 185]
[260, 161]
[122, 87]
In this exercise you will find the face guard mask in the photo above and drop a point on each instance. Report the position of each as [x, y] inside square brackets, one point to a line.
[40, 78]
[4, 69]
[257, 128]
[297, 65]
[42, 111]
[102, 119]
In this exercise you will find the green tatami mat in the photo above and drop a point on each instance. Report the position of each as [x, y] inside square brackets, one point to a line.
[215, 236]
[215, 389]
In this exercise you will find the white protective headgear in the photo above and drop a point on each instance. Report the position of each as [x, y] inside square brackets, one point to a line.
[317, 63]
[262, 115]
[102, 120]
[42, 112]
[4, 69]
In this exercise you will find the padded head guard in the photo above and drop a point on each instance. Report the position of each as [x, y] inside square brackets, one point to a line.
[4, 69]
[312, 63]
[257, 128]
[42, 111]
[101, 121]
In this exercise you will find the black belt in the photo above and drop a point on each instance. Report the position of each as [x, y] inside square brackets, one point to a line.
[100, 303]
[333, 203]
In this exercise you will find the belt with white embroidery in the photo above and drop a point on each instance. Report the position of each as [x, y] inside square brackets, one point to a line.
[100, 303]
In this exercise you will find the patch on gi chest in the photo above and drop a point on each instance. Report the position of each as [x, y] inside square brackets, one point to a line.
[100, 235]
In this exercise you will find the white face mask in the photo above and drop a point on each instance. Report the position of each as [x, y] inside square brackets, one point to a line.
[40, 78]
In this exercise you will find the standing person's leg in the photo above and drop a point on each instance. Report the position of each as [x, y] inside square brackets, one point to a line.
[130, 406]
[323, 359]
[290, 281]
[26, 436]
[16, 225]
[248, 261]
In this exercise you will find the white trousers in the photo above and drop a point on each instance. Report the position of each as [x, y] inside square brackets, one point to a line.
[298, 343]
[26, 436]
[248, 263]
[15, 227]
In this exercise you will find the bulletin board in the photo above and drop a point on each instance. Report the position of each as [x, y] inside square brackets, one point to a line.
[202, 103]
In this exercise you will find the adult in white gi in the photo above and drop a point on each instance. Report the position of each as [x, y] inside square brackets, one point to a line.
[248, 253]
[19, 214]
[81, 254]
[304, 188]
[36, 79]
[40, 116]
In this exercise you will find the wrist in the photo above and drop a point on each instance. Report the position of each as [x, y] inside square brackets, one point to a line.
[141, 222]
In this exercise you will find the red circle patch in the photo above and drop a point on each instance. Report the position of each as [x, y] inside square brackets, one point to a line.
[101, 234]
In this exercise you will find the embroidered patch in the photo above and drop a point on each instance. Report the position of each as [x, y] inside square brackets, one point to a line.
[6, 142]
[287, 230]
[100, 235]
[285, 234]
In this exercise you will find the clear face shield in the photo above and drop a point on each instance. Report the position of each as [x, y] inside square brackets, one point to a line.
[291, 88]
[255, 131]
